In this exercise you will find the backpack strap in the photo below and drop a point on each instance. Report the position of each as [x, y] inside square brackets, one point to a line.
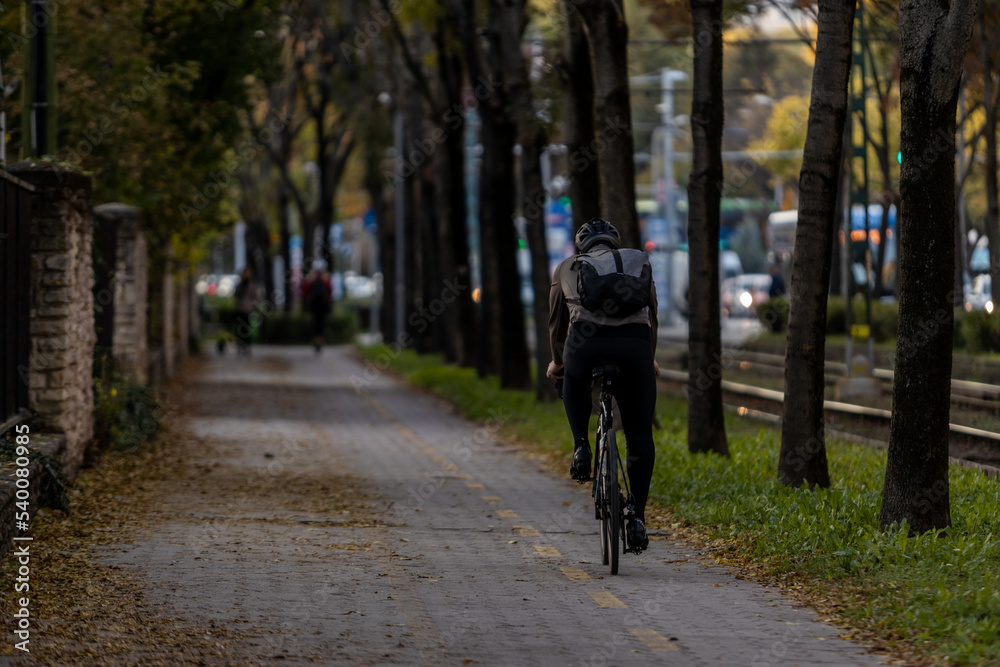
[619, 267]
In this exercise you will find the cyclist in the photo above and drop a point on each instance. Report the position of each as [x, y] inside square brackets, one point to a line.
[581, 340]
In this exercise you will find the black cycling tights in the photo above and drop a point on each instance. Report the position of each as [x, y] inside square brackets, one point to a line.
[635, 392]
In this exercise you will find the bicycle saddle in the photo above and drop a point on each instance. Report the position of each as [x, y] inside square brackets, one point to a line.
[609, 371]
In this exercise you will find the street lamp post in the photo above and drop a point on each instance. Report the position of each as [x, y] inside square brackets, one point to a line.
[399, 201]
[667, 78]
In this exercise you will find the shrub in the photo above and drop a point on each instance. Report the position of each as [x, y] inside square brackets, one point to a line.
[295, 328]
[126, 414]
[980, 331]
[773, 313]
[885, 317]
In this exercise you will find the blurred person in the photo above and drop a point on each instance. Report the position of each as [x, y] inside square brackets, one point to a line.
[317, 297]
[246, 302]
[777, 282]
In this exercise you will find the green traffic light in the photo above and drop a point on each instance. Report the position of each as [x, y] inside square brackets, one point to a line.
[899, 157]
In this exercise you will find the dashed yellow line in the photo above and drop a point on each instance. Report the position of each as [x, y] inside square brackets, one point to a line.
[607, 601]
[493, 500]
[475, 486]
[507, 514]
[653, 640]
[575, 574]
[526, 531]
[547, 551]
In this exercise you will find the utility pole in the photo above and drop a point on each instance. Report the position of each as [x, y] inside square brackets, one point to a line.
[859, 381]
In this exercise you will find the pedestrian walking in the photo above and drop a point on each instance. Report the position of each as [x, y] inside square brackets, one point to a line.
[317, 297]
[246, 303]
[777, 288]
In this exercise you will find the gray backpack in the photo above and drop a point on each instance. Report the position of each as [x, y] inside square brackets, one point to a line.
[614, 283]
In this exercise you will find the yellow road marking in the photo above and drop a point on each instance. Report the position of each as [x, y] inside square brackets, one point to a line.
[439, 459]
[493, 500]
[575, 573]
[526, 531]
[449, 467]
[457, 475]
[547, 551]
[507, 514]
[475, 486]
[653, 640]
[607, 600]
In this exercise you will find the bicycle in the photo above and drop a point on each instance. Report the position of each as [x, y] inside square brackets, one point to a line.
[611, 507]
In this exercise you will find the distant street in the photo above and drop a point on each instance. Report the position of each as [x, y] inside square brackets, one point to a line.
[339, 517]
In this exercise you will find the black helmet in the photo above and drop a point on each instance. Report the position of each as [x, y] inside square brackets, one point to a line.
[597, 231]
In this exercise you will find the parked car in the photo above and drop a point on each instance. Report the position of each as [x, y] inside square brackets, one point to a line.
[741, 296]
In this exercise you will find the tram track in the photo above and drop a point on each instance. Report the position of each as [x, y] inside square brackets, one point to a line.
[968, 445]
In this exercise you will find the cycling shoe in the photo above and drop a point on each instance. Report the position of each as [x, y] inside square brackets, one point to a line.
[637, 539]
[580, 470]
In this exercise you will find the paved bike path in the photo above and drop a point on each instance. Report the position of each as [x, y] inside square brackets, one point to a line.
[464, 551]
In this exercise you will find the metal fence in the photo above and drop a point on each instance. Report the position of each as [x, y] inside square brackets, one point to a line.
[15, 272]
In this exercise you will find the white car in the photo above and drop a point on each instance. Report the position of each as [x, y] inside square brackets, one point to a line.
[742, 295]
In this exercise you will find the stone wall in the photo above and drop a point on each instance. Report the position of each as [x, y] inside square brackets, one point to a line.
[130, 346]
[60, 383]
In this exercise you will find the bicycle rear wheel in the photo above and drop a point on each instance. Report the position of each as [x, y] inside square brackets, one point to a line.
[611, 505]
[600, 500]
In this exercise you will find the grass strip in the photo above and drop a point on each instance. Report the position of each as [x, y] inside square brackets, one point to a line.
[930, 599]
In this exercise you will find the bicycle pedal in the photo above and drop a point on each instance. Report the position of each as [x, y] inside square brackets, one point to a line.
[583, 481]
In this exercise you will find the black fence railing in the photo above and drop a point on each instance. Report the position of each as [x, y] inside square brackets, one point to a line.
[15, 274]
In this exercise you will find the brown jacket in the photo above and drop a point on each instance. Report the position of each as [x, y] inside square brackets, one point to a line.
[559, 311]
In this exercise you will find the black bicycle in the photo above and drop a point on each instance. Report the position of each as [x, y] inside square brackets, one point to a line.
[611, 507]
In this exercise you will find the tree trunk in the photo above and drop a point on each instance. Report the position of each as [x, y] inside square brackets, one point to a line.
[706, 428]
[431, 306]
[803, 446]
[933, 43]
[376, 192]
[463, 330]
[286, 247]
[541, 279]
[385, 234]
[453, 235]
[532, 139]
[502, 310]
[578, 94]
[607, 34]
[496, 215]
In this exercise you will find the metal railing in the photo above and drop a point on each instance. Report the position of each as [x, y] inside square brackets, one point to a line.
[15, 274]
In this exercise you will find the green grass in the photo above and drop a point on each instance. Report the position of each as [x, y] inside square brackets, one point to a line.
[937, 596]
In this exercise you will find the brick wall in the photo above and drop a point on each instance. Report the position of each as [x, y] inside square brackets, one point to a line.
[60, 384]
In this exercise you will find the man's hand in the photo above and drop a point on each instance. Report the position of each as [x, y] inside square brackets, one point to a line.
[656, 368]
[554, 371]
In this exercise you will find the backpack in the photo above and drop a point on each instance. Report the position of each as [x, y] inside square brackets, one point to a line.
[615, 283]
[316, 295]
